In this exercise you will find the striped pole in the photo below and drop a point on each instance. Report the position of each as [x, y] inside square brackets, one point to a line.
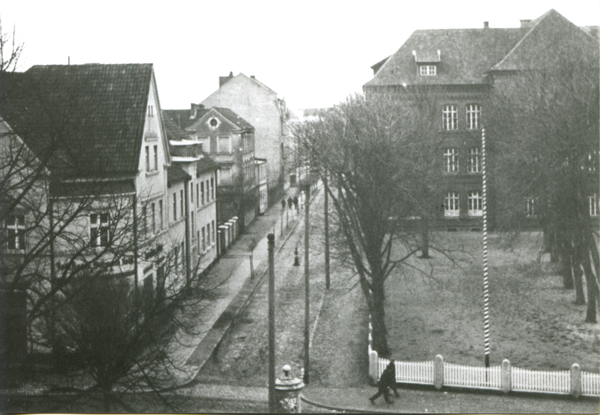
[486, 294]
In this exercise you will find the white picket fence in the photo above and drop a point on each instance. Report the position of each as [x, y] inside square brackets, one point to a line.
[472, 377]
[523, 380]
[505, 378]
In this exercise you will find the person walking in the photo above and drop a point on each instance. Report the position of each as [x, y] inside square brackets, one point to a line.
[386, 381]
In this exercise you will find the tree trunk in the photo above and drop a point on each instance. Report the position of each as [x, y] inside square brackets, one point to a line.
[592, 291]
[565, 264]
[577, 277]
[377, 309]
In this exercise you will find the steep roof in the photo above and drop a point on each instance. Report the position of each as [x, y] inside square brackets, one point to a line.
[235, 119]
[467, 55]
[91, 117]
[544, 41]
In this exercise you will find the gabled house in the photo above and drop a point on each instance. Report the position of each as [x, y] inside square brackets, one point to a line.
[87, 157]
[265, 111]
[458, 69]
[230, 141]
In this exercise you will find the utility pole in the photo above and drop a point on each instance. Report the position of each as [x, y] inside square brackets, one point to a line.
[326, 213]
[272, 401]
[306, 287]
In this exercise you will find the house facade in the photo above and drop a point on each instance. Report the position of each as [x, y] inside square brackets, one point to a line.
[98, 190]
[265, 111]
[230, 141]
[455, 71]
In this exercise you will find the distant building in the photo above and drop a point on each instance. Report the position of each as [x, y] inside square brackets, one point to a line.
[265, 111]
[460, 67]
[230, 141]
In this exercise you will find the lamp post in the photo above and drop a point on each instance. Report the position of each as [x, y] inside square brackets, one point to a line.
[272, 400]
[326, 214]
[306, 286]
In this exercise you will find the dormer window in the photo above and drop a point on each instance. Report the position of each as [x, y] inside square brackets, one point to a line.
[427, 70]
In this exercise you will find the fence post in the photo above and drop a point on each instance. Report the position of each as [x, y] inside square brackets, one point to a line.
[373, 366]
[438, 371]
[575, 380]
[505, 379]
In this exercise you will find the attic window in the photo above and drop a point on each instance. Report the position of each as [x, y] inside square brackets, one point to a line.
[213, 123]
[427, 70]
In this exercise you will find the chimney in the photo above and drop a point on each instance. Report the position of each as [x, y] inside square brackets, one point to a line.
[224, 79]
[193, 111]
[252, 76]
[526, 23]
[486, 25]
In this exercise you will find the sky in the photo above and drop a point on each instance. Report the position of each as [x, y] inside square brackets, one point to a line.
[312, 53]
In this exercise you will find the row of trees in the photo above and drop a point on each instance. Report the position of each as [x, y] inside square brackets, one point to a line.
[381, 156]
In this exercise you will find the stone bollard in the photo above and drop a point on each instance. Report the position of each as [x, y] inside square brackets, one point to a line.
[288, 390]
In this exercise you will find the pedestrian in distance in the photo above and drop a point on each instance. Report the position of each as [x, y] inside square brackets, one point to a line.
[290, 202]
[296, 202]
[386, 382]
[283, 204]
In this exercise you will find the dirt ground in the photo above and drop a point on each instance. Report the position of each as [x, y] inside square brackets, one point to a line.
[534, 322]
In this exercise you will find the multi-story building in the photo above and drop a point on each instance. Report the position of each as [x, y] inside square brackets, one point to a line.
[456, 70]
[268, 114]
[230, 141]
[93, 184]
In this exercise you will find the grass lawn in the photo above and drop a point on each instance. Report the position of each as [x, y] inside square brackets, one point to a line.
[534, 321]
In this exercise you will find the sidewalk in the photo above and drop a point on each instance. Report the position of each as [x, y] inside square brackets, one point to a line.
[192, 352]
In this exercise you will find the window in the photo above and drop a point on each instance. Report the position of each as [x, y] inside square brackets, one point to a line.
[153, 213]
[593, 203]
[475, 204]
[451, 160]
[147, 158]
[212, 188]
[144, 220]
[192, 192]
[193, 226]
[451, 208]
[181, 203]
[202, 192]
[224, 145]
[450, 117]
[473, 161]
[15, 232]
[160, 212]
[473, 116]
[427, 70]
[155, 157]
[197, 195]
[530, 206]
[99, 232]
[174, 207]
[207, 192]
[208, 235]
[150, 111]
[203, 239]
[198, 232]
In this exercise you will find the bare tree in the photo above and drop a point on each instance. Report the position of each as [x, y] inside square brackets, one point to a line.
[10, 50]
[546, 121]
[368, 150]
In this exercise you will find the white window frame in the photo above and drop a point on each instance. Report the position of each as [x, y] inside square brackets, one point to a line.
[15, 232]
[474, 160]
[99, 229]
[530, 207]
[451, 160]
[593, 205]
[473, 116]
[475, 203]
[450, 117]
[427, 70]
[451, 205]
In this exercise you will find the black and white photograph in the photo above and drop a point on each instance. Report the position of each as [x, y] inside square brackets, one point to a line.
[299, 206]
